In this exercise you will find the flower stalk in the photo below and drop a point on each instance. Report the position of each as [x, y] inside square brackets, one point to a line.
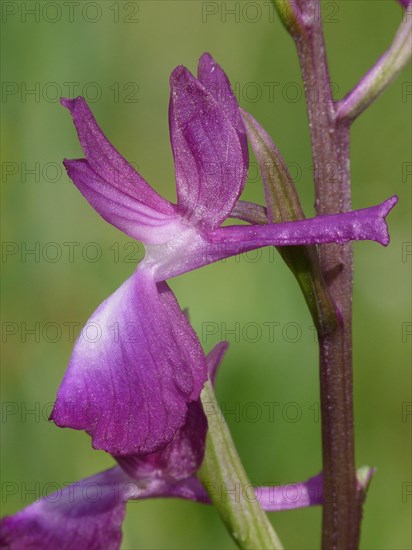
[380, 76]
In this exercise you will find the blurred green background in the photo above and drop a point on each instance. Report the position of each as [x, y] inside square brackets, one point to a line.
[119, 55]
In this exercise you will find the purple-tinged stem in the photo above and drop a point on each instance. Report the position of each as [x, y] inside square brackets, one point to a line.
[330, 149]
[330, 127]
[341, 518]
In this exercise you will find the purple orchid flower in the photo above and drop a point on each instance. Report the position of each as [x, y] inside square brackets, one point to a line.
[131, 392]
[89, 514]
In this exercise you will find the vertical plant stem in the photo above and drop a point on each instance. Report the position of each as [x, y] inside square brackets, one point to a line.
[330, 150]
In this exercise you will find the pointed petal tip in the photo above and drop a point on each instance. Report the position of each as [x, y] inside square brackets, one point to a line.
[66, 164]
[182, 73]
[182, 82]
[70, 103]
[206, 60]
[208, 142]
[384, 209]
[70, 164]
[107, 164]
[387, 205]
[65, 102]
[207, 56]
[179, 75]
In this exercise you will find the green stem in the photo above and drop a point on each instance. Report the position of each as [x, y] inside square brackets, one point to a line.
[228, 486]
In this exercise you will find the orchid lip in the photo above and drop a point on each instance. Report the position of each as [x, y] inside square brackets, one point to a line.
[130, 389]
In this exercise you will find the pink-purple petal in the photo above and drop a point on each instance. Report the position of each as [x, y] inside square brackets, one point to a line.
[276, 498]
[292, 495]
[135, 367]
[122, 210]
[197, 250]
[107, 162]
[214, 79]
[87, 515]
[209, 159]
[182, 457]
[365, 224]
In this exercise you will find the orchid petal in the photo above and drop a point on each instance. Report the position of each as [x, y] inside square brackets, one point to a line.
[292, 495]
[107, 162]
[183, 456]
[180, 459]
[214, 79]
[207, 247]
[276, 498]
[135, 367]
[123, 211]
[209, 159]
[87, 515]
[365, 224]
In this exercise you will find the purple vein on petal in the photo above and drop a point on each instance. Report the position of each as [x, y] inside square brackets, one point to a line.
[209, 160]
[107, 162]
[73, 517]
[182, 457]
[214, 79]
[120, 208]
[121, 387]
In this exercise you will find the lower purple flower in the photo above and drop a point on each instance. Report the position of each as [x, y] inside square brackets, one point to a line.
[144, 347]
[88, 515]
